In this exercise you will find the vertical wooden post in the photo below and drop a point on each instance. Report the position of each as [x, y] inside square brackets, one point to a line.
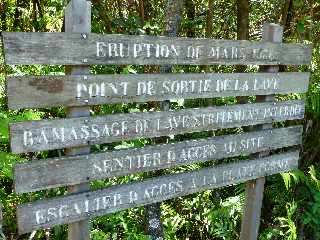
[78, 20]
[254, 189]
[153, 211]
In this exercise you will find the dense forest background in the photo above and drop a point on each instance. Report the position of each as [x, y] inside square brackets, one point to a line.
[291, 205]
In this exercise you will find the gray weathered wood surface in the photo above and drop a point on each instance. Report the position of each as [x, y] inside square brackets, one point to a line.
[72, 49]
[154, 226]
[78, 20]
[56, 172]
[49, 91]
[61, 133]
[59, 210]
[255, 188]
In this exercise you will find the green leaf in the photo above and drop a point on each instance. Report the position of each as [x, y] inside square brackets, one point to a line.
[300, 26]
[4, 129]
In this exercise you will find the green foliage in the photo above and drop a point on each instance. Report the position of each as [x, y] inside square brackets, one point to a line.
[288, 222]
[122, 225]
[307, 186]
[293, 177]
[203, 216]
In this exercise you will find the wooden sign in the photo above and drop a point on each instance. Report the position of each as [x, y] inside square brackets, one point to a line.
[83, 49]
[61, 133]
[50, 91]
[39, 175]
[77, 49]
[47, 213]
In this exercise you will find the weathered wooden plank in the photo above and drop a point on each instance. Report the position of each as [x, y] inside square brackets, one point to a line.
[49, 91]
[56, 172]
[61, 133]
[73, 49]
[47, 213]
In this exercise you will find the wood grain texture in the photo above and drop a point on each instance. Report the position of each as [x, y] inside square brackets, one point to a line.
[61, 133]
[72, 49]
[153, 224]
[50, 91]
[56, 172]
[78, 20]
[59, 210]
[255, 188]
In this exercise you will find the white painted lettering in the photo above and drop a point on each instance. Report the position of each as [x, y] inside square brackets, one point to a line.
[100, 49]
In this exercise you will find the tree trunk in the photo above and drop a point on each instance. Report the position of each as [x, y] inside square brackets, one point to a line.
[34, 15]
[141, 12]
[242, 27]
[147, 9]
[285, 12]
[285, 22]
[17, 15]
[3, 10]
[243, 19]
[209, 23]
[209, 29]
[191, 12]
